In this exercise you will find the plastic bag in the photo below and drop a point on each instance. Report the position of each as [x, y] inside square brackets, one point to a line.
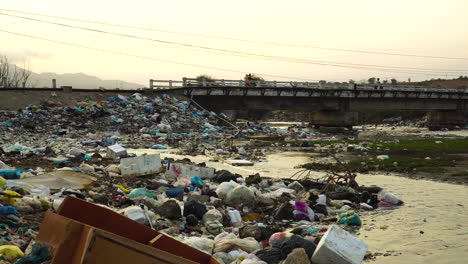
[182, 182]
[277, 236]
[10, 174]
[303, 212]
[10, 252]
[200, 243]
[295, 185]
[141, 192]
[224, 257]
[196, 180]
[9, 197]
[388, 197]
[225, 236]
[224, 188]
[277, 194]
[252, 259]
[240, 195]
[213, 215]
[9, 210]
[289, 244]
[350, 218]
[248, 244]
[195, 208]
[39, 254]
[3, 183]
[158, 146]
[174, 192]
[135, 213]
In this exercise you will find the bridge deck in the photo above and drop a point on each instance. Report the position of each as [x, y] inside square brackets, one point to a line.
[196, 87]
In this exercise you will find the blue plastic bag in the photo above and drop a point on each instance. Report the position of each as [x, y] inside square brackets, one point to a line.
[157, 146]
[174, 192]
[10, 174]
[196, 180]
[9, 210]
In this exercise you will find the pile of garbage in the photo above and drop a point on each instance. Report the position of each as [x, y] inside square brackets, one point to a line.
[251, 220]
[62, 167]
[132, 121]
[136, 119]
[399, 121]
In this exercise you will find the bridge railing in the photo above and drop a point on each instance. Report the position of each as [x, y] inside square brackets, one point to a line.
[195, 82]
[410, 88]
[165, 84]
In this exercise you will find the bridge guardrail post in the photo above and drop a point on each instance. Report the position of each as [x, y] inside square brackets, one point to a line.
[184, 82]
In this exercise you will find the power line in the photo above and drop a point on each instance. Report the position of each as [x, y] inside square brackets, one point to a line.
[148, 58]
[263, 56]
[243, 40]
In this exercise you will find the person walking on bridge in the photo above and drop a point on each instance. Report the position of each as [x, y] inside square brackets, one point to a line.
[248, 80]
[378, 84]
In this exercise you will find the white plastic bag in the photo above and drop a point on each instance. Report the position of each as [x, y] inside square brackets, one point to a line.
[204, 244]
[224, 188]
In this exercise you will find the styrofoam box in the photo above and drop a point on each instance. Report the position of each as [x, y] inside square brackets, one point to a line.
[116, 151]
[180, 169]
[142, 165]
[338, 246]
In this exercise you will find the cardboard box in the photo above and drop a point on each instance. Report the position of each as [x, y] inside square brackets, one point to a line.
[83, 232]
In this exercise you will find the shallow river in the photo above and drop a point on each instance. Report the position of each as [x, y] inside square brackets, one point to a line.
[439, 210]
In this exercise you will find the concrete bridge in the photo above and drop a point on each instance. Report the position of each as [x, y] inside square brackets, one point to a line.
[337, 104]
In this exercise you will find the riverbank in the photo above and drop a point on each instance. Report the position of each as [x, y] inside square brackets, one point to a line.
[429, 228]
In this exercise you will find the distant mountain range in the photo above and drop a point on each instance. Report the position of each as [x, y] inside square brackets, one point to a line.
[77, 80]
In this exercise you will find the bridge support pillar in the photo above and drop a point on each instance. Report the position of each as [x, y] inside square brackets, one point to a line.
[445, 119]
[334, 118]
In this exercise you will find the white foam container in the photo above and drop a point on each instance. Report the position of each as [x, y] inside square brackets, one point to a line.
[338, 246]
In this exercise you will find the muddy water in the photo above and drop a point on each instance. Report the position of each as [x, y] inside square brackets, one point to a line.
[432, 226]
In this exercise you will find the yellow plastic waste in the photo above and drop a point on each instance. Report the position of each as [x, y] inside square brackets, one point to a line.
[9, 198]
[45, 204]
[121, 187]
[2, 183]
[10, 252]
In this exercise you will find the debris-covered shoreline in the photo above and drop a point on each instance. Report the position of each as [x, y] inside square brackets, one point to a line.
[232, 219]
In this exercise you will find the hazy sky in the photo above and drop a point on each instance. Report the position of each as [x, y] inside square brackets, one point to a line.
[423, 27]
